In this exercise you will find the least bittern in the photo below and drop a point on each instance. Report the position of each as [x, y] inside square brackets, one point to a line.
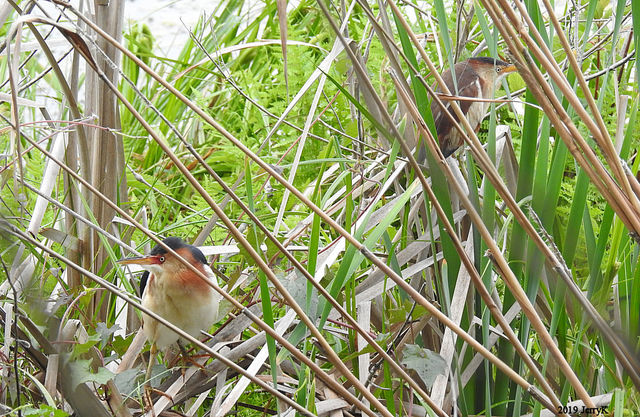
[172, 290]
[475, 78]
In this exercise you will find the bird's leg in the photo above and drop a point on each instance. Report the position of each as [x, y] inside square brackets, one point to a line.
[148, 404]
[187, 357]
[148, 389]
[152, 357]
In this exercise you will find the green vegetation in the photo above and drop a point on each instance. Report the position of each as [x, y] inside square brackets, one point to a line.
[506, 284]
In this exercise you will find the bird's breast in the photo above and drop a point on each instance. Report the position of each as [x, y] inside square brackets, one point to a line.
[189, 306]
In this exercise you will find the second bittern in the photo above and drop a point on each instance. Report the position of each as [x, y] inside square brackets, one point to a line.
[476, 78]
[176, 293]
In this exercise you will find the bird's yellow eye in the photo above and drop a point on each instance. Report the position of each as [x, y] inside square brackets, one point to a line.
[161, 259]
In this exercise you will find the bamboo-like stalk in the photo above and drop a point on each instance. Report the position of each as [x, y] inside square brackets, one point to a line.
[105, 144]
[15, 143]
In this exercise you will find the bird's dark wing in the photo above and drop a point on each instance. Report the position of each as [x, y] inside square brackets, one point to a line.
[467, 87]
[143, 282]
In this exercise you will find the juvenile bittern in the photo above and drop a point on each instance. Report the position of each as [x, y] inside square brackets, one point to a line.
[475, 78]
[173, 291]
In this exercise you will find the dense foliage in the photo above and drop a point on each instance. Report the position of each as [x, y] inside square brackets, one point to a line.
[505, 282]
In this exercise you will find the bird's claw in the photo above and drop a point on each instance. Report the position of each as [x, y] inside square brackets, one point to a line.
[146, 398]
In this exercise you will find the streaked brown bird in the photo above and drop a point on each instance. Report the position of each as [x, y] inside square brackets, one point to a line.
[475, 78]
[173, 291]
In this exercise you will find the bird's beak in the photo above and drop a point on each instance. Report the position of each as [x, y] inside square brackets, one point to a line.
[509, 69]
[139, 260]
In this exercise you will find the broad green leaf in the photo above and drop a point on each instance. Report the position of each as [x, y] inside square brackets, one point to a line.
[427, 364]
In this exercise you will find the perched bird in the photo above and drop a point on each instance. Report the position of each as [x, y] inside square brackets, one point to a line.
[475, 78]
[173, 291]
